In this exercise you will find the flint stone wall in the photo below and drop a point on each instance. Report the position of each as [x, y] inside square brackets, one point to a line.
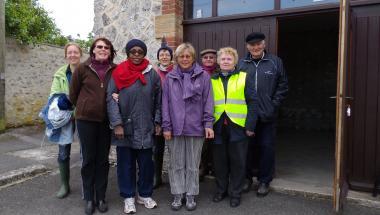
[123, 20]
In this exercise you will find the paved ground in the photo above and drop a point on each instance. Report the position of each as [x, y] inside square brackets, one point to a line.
[37, 196]
[20, 149]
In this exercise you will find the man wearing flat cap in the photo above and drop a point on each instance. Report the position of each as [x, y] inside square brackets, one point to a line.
[208, 57]
[271, 85]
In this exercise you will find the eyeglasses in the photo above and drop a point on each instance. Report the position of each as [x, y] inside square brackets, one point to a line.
[208, 57]
[102, 47]
[134, 52]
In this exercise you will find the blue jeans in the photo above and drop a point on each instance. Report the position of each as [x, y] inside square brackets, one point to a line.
[64, 153]
[126, 171]
[265, 141]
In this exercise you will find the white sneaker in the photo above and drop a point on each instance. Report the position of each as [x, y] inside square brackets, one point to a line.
[147, 202]
[129, 206]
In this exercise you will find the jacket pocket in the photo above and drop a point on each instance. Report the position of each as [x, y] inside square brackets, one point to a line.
[268, 109]
[128, 127]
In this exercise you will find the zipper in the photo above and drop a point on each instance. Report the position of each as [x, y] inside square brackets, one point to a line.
[101, 82]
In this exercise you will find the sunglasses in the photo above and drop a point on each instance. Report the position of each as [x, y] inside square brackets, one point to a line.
[134, 52]
[102, 47]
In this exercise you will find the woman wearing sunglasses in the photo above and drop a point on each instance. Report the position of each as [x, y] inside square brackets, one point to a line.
[135, 118]
[88, 94]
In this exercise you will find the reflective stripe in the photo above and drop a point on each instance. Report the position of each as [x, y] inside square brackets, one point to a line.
[237, 115]
[233, 101]
[219, 102]
[236, 101]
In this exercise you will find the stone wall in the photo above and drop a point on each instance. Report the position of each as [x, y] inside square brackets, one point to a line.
[28, 76]
[147, 20]
[122, 20]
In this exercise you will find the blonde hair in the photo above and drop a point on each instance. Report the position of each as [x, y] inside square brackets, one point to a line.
[228, 51]
[181, 48]
[73, 44]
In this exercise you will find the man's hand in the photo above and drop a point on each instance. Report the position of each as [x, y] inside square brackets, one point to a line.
[167, 135]
[209, 133]
[249, 133]
[119, 132]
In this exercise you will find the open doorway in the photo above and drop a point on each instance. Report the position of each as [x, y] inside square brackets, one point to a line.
[308, 45]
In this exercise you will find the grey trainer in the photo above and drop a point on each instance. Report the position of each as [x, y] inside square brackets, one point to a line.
[190, 203]
[177, 202]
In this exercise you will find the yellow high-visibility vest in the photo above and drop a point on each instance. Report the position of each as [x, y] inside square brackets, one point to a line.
[234, 104]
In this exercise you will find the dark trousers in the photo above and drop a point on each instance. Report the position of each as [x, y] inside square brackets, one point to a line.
[206, 158]
[229, 165]
[64, 153]
[95, 138]
[126, 171]
[159, 150]
[264, 142]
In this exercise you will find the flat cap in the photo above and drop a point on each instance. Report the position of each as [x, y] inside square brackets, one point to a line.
[254, 37]
[206, 51]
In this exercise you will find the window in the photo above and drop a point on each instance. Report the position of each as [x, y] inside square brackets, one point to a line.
[229, 7]
[199, 8]
[300, 3]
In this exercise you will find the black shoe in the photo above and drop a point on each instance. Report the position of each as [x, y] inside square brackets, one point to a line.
[247, 185]
[263, 190]
[219, 197]
[102, 206]
[89, 209]
[234, 202]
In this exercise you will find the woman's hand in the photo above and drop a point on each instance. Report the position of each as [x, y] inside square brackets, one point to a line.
[119, 132]
[115, 97]
[249, 133]
[209, 133]
[167, 135]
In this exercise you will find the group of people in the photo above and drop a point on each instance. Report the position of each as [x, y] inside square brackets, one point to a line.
[209, 116]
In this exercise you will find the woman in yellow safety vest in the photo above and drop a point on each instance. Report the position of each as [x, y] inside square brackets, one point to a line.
[235, 121]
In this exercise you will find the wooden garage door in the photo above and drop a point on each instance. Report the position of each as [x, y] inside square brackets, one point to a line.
[230, 33]
[364, 137]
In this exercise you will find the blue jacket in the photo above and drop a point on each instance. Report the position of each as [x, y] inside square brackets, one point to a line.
[138, 110]
[59, 127]
[271, 83]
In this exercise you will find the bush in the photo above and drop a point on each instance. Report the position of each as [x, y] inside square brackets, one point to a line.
[29, 23]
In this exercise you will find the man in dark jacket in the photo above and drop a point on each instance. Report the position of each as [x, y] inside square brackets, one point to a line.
[271, 85]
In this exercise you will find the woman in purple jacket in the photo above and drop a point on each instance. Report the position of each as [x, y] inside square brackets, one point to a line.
[187, 118]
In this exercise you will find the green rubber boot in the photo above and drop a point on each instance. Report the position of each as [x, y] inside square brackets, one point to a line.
[64, 170]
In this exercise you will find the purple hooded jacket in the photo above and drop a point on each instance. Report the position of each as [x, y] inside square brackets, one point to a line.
[187, 102]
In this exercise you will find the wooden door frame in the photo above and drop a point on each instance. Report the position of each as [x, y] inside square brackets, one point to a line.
[339, 190]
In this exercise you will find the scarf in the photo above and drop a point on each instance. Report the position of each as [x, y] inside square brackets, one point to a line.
[210, 69]
[128, 73]
[163, 71]
[100, 67]
[188, 88]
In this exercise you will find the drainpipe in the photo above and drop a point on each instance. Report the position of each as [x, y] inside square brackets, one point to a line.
[2, 65]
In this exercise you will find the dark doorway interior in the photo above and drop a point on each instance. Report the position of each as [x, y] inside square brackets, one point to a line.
[308, 45]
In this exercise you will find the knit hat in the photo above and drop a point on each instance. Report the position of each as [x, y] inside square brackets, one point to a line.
[164, 46]
[135, 42]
